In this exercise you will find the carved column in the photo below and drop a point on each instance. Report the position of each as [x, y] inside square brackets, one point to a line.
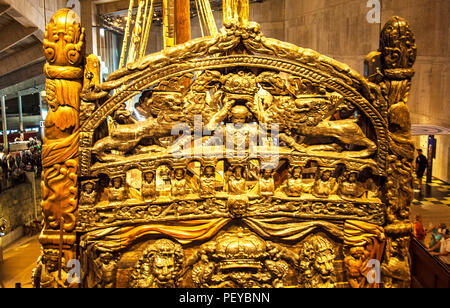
[238, 10]
[394, 66]
[64, 51]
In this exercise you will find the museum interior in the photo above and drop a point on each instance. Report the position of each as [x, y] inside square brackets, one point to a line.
[225, 144]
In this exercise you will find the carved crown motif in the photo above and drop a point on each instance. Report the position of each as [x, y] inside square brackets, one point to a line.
[240, 250]
[241, 84]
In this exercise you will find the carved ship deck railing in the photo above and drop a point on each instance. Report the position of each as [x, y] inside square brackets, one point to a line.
[302, 179]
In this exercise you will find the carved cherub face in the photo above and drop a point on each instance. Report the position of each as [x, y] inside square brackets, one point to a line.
[239, 115]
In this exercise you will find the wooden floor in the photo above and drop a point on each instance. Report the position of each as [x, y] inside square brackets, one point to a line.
[18, 262]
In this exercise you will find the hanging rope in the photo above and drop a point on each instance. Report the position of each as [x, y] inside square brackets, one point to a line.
[146, 32]
[199, 17]
[126, 34]
[206, 18]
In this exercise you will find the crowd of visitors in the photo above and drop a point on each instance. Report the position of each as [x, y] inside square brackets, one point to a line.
[439, 243]
[15, 165]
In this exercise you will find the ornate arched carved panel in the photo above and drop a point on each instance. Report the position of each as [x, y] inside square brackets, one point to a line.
[247, 162]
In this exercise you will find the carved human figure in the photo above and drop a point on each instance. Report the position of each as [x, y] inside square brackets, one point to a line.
[179, 183]
[116, 191]
[106, 268]
[372, 190]
[324, 185]
[159, 266]
[239, 134]
[47, 275]
[355, 264]
[349, 187]
[88, 194]
[294, 186]
[208, 181]
[148, 189]
[164, 187]
[243, 135]
[266, 185]
[237, 183]
[396, 270]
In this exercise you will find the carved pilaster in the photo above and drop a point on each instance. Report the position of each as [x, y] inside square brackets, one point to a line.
[395, 59]
[64, 51]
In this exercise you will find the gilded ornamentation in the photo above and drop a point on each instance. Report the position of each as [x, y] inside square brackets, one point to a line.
[105, 271]
[363, 242]
[302, 171]
[240, 259]
[396, 57]
[316, 263]
[64, 51]
[63, 47]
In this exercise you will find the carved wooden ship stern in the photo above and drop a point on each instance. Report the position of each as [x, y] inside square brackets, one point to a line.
[258, 164]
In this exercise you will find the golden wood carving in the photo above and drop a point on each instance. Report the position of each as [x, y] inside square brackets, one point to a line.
[258, 164]
[64, 51]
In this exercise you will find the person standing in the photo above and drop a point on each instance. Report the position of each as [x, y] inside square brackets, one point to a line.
[421, 167]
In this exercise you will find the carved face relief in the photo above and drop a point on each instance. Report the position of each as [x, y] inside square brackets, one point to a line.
[117, 183]
[239, 115]
[159, 266]
[316, 264]
[238, 205]
[163, 268]
[149, 176]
